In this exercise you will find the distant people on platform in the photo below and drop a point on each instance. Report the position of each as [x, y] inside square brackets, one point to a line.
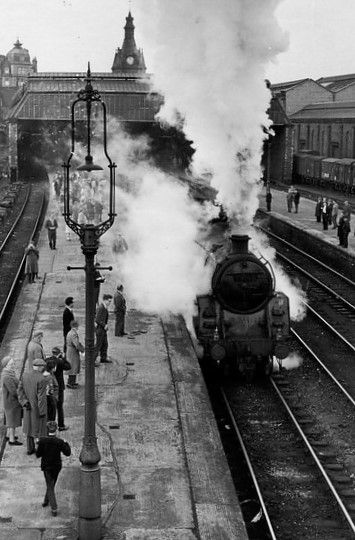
[335, 211]
[68, 316]
[296, 199]
[318, 210]
[99, 278]
[61, 365]
[32, 256]
[74, 348]
[12, 406]
[33, 398]
[101, 321]
[330, 203]
[290, 197]
[119, 244]
[119, 303]
[50, 447]
[52, 225]
[347, 210]
[268, 198]
[343, 230]
[35, 349]
[325, 213]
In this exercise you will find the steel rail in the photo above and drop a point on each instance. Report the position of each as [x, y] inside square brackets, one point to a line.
[19, 269]
[324, 367]
[315, 457]
[250, 466]
[16, 220]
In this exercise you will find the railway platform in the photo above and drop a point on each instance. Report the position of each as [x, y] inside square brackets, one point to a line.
[305, 220]
[164, 475]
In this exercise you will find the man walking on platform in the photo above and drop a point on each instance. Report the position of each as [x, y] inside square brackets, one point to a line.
[101, 321]
[32, 396]
[68, 317]
[49, 449]
[120, 311]
[61, 365]
[51, 226]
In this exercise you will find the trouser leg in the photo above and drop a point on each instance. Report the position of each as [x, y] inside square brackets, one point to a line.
[60, 409]
[30, 444]
[51, 479]
[100, 338]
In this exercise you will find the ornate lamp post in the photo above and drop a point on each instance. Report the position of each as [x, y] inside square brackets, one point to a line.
[89, 234]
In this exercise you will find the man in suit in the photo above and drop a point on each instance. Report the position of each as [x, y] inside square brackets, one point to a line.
[119, 302]
[61, 365]
[68, 317]
[33, 398]
[101, 321]
[50, 448]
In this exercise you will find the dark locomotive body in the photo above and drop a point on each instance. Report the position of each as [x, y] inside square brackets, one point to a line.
[244, 322]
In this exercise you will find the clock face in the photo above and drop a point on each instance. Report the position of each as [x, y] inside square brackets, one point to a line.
[130, 60]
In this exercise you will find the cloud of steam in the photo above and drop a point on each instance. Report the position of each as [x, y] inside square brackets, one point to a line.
[259, 245]
[210, 65]
[293, 361]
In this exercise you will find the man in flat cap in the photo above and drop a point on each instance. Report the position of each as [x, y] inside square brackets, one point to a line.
[120, 310]
[32, 396]
[68, 317]
[50, 448]
[61, 365]
[35, 349]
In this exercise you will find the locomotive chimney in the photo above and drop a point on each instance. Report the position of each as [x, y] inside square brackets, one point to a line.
[239, 243]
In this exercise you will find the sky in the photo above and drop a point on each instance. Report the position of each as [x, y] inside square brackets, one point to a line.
[65, 34]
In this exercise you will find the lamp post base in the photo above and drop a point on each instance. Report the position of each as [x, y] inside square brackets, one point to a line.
[89, 525]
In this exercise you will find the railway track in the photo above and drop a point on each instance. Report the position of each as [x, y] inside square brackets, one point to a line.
[12, 257]
[300, 487]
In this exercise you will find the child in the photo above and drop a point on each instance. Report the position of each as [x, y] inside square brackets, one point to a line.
[52, 389]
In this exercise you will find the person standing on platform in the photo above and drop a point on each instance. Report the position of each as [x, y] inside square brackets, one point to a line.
[52, 389]
[50, 448]
[32, 397]
[119, 302]
[268, 198]
[347, 210]
[99, 278]
[74, 348]
[32, 256]
[297, 200]
[343, 231]
[290, 198]
[335, 211]
[51, 226]
[318, 210]
[12, 407]
[325, 214]
[101, 321]
[330, 210]
[35, 349]
[68, 316]
[61, 365]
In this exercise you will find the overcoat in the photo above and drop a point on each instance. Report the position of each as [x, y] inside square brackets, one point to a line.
[12, 407]
[32, 390]
[68, 316]
[34, 350]
[74, 347]
[32, 255]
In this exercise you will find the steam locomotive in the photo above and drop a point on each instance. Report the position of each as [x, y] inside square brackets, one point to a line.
[243, 322]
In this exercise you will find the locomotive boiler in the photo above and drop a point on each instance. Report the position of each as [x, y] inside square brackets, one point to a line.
[243, 322]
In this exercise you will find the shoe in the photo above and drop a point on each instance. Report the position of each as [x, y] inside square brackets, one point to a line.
[54, 512]
[31, 452]
[44, 504]
[71, 386]
[63, 428]
[16, 443]
[106, 361]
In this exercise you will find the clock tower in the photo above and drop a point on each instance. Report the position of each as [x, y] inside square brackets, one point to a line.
[129, 59]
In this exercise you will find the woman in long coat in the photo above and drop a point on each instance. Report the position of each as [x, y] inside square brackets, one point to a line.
[12, 407]
[31, 268]
[74, 348]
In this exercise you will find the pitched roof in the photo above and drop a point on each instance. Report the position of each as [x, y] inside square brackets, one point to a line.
[333, 110]
[49, 96]
[284, 86]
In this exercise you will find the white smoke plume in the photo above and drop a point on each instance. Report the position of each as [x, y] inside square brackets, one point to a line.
[293, 361]
[209, 64]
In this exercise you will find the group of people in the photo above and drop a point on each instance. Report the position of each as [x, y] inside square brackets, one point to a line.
[293, 199]
[327, 211]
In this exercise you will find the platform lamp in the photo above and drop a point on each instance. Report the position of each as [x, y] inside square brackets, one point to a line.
[89, 527]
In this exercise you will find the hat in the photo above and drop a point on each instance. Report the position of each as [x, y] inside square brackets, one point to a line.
[39, 362]
[55, 350]
[37, 334]
[52, 426]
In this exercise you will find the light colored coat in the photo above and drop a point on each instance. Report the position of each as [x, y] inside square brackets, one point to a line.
[34, 350]
[32, 390]
[32, 255]
[74, 348]
[12, 407]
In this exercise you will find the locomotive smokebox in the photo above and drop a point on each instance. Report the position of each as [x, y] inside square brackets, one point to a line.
[239, 243]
